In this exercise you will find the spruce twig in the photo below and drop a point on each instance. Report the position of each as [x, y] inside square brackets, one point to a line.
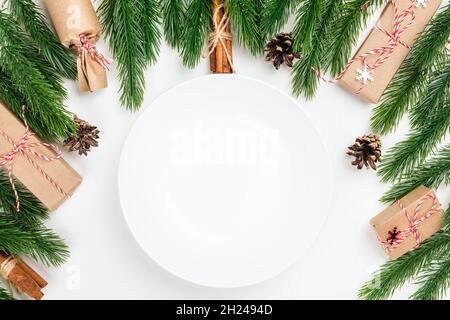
[5, 295]
[121, 22]
[412, 79]
[423, 139]
[304, 79]
[37, 242]
[275, 15]
[198, 15]
[34, 79]
[174, 15]
[245, 20]
[435, 280]
[27, 13]
[150, 25]
[347, 26]
[396, 273]
[432, 173]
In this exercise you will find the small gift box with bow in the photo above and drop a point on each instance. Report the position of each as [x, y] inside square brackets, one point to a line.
[408, 222]
[78, 27]
[36, 164]
[372, 68]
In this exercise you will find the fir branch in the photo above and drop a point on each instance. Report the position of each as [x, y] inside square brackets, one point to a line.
[32, 211]
[394, 274]
[245, 20]
[198, 14]
[150, 25]
[5, 295]
[304, 79]
[37, 241]
[436, 98]
[435, 280]
[34, 80]
[431, 174]
[121, 22]
[405, 155]
[345, 33]
[412, 79]
[29, 15]
[174, 15]
[275, 15]
[14, 100]
[307, 22]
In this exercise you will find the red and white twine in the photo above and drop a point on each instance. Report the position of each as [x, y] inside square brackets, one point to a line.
[383, 53]
[413, 230]
[87, 46]
[26, 149]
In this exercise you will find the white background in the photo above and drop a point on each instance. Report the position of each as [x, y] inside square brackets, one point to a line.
[105, 261]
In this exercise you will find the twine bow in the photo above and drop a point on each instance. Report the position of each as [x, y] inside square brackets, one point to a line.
[26, 149]
[413, 230]
[219, 34]
[401, 23]
[87, 46]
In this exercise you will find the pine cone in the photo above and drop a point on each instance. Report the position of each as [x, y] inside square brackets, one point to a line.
[367, 151]
[85, 137]
[279, 50]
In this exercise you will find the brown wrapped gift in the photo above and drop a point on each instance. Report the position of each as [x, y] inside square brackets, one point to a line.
[59, 170]
[73, 18]
[22, 276]
[399, 233]
[383, 74]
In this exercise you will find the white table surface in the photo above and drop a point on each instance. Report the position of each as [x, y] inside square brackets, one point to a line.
[105, 261]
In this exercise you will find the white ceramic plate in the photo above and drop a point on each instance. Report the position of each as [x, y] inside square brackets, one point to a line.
[224, 181]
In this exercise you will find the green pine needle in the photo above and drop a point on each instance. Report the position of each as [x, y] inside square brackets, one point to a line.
[34, 79]
[37, 242]
[304, 79]
[122, 25]
[174, 15]
[5, 295]
[32, 212]
[435, 281]
[412, 79]
[150, 24]
[23, 233]
[347, 26]
[29, 15]
[245, 22]
[394, 274]
[275, 15]
[198, 15]
[405, 155]
[432, 173]
[308, 20]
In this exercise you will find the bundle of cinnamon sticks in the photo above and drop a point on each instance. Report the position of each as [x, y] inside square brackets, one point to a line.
[221, 55]
[22, 276]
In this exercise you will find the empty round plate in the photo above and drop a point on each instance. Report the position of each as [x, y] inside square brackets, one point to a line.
[224, 181]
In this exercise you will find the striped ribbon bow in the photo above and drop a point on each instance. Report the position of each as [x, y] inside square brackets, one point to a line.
[414, 222]
[26, 149]
[402, 21]
[91, 48]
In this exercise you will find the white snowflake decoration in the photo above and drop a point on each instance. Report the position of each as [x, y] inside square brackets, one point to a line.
[422, 3]
[365, 75]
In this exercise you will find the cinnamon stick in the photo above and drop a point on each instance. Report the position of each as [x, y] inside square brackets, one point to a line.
[218, 58]
[24, 281]
[229, 48]
[33, 274]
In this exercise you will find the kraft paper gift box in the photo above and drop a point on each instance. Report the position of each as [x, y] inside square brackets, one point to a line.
[390, 223]
[383, 74]
[71, 19]
[23, 170]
